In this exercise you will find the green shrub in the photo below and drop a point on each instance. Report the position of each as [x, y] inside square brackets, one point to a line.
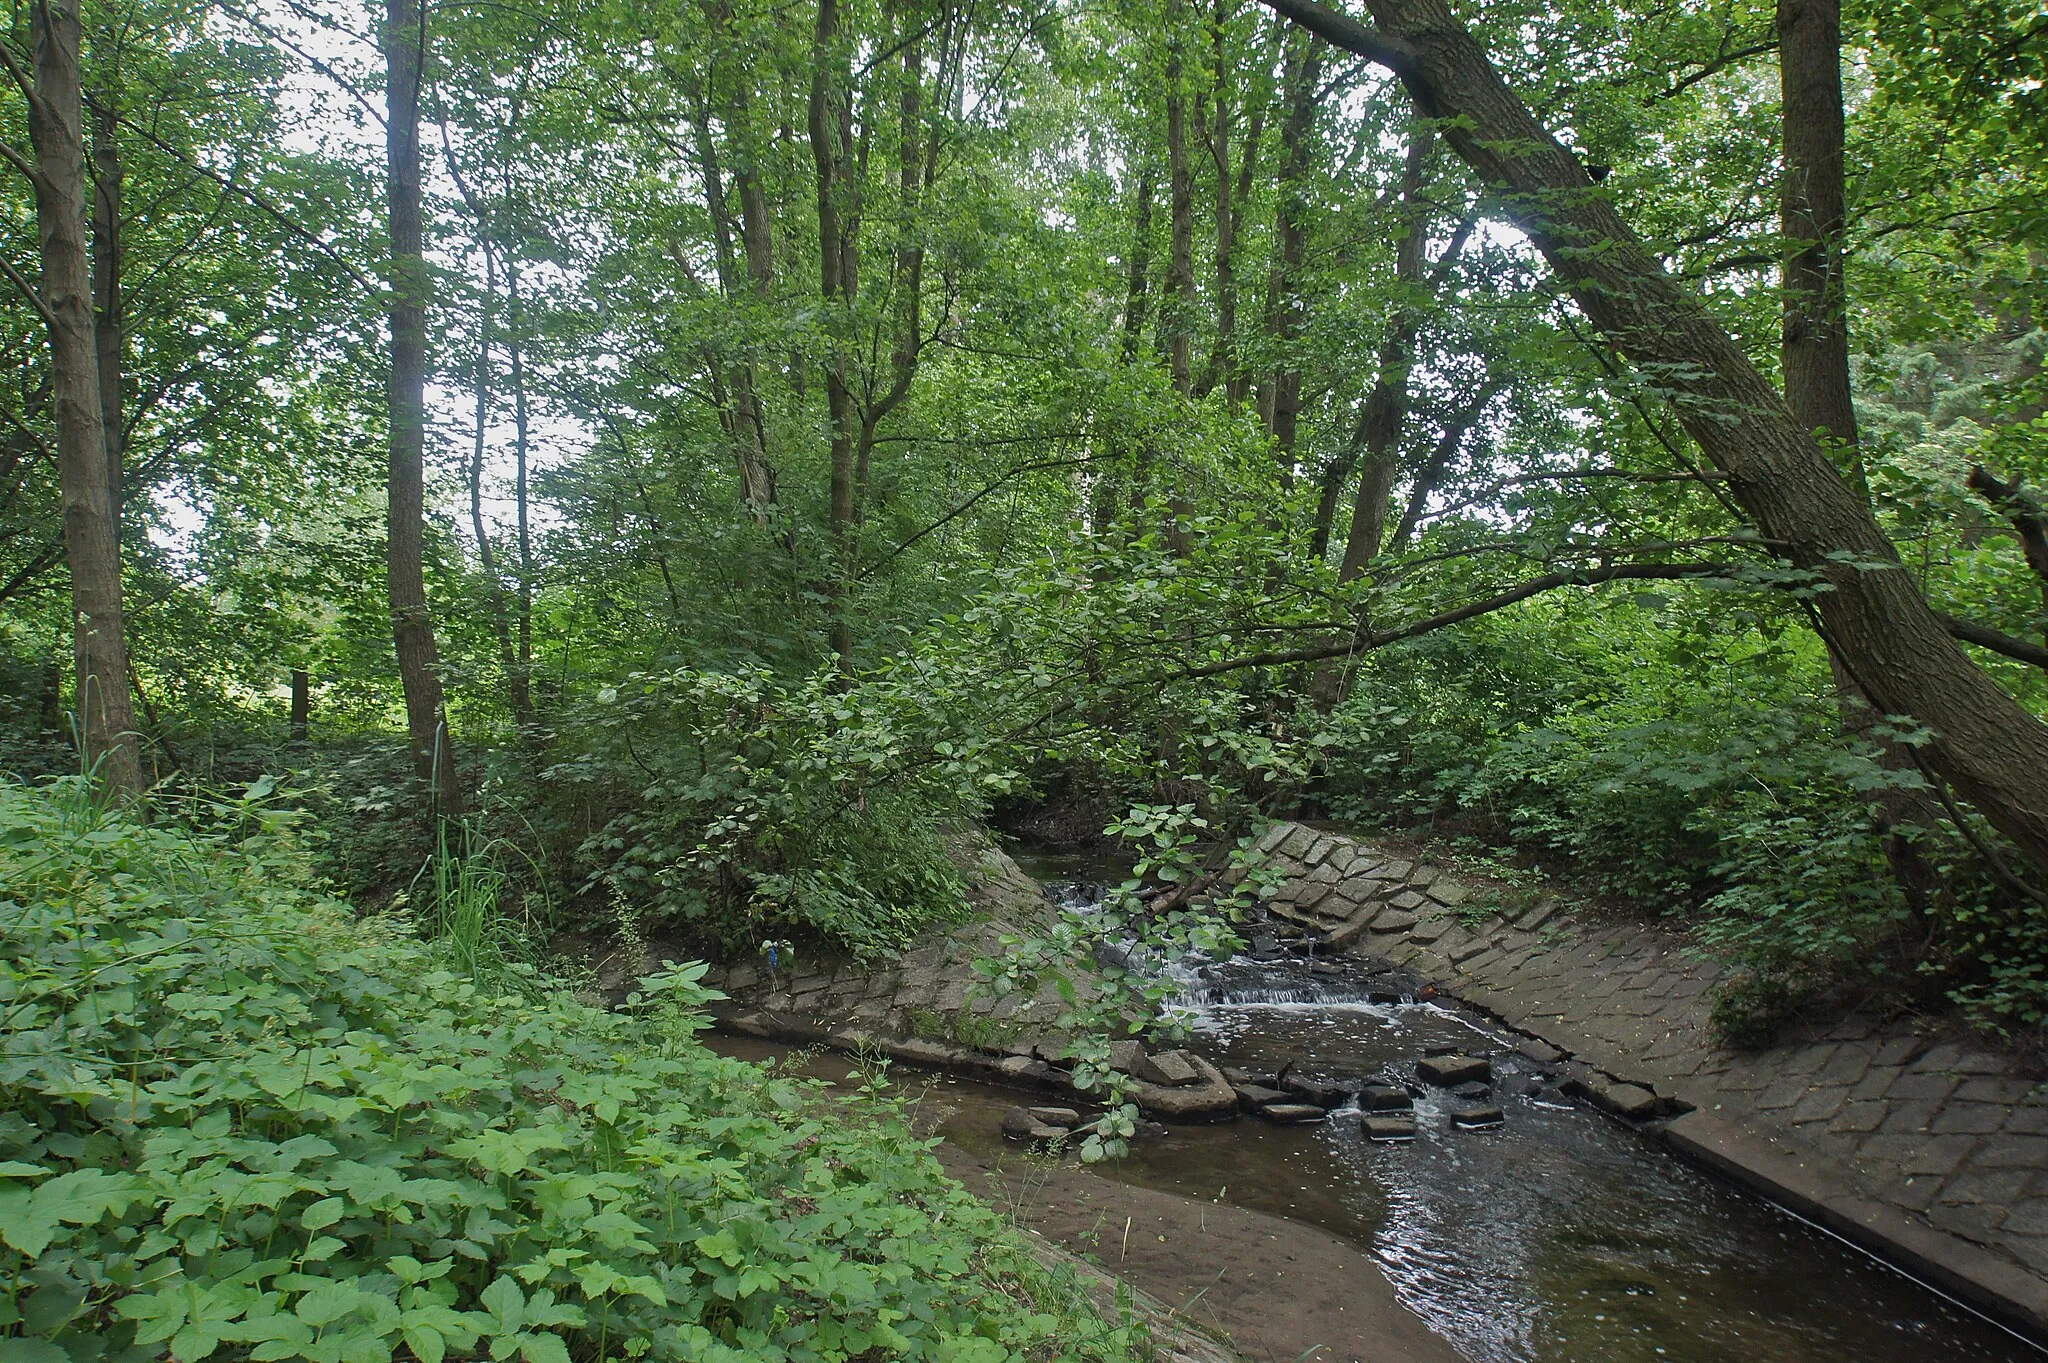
[750, 808]
[235, 1120]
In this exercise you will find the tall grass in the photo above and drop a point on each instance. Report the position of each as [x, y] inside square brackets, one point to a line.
[465, 915]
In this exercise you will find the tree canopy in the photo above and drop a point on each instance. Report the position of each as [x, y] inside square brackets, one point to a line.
[737, 446]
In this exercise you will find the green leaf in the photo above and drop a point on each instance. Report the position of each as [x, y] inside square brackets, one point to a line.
[322, 1214]
[425, 1342]
[543, 1349]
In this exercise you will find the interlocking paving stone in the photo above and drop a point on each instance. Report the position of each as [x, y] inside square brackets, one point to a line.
[1910, 1116]
[1975, 1118]
[2002, 1091]
[2009, 1151]
[1859, 1117]
[2029, 1217]
[1901, 1050]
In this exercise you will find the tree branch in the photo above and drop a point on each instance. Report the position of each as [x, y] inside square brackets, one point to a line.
[28, 291]
[1362, 642]
[1997, 641]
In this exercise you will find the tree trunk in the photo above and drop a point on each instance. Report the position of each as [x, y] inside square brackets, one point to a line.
[92, 542]
[486, 553]
[404, 39]
[1984, 742]
[1814, 215]
[515, 356]
[302, 705]
[837, 284]
[2029, 521]
[1233, 187]
[1280, 404]
[1177, 316]
[741, 413]
[109, 324]
[1378, 436]
[1814, 350]
[1432, 470]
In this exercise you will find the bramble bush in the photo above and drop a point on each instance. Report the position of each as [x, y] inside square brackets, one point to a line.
[238, 1121]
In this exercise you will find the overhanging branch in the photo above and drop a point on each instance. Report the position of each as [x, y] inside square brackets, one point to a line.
[1362, 642]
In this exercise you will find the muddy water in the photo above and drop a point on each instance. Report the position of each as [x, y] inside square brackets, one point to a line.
[1557, 1237]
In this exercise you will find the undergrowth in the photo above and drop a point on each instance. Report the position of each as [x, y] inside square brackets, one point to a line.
[238, 1121]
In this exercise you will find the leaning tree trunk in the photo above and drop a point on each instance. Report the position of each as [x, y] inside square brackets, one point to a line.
[412, 621]
[92, 543]
[1983, 741]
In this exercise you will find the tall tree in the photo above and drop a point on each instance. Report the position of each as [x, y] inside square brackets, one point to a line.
[64, 300]
[404, 41]
[1897, 648]
[1814, 215]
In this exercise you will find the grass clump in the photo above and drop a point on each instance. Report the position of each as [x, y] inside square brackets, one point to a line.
[236, 1121]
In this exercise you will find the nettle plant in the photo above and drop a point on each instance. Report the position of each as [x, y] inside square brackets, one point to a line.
[1184, 900]
[236, 1120]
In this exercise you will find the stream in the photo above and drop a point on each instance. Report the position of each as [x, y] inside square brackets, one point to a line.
[1559, 1236]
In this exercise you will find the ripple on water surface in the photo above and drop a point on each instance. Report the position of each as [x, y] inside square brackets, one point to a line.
[1559, 1237]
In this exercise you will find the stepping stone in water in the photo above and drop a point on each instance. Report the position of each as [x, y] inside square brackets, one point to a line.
[1252, 1097]
[1324, 1093]
[1385, 1098]
[1448, 1071]
[1168, 1069]
[1019, 1124]
[1056, 1116]
[1471, 1088]
[1292, 1114]
[1479, 1117]
[1382, 1128]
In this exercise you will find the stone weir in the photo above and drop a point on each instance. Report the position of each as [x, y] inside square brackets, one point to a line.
[1931, 1153]
[1928, 1151]
[924, 1008]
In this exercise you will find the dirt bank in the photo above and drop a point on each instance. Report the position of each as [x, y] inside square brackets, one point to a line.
[1282, 1291]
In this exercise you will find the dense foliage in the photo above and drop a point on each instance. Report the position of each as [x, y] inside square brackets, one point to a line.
[236, 1120]
[846, 416]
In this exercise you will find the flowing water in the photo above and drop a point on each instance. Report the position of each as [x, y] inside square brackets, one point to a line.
[1559, 1236]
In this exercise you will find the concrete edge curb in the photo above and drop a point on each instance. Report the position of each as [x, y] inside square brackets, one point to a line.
[1972, 1275]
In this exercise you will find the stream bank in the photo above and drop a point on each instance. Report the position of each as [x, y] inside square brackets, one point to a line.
[1561, 1235]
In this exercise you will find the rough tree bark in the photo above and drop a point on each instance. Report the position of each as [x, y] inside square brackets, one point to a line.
[1984, 742]
[92, 545]
[404, 38]
[1813, 215]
